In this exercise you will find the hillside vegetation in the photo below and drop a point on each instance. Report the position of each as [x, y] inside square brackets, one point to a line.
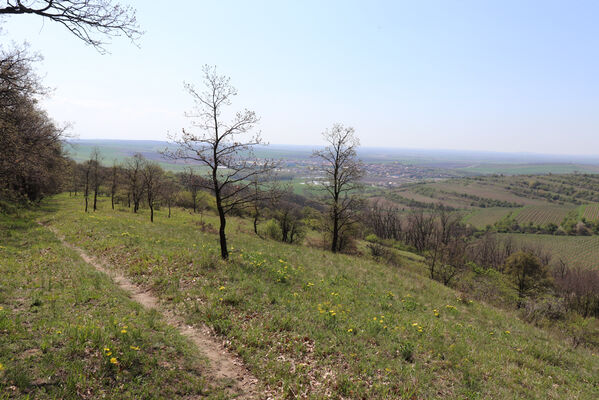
[314, 324]
[67, 331]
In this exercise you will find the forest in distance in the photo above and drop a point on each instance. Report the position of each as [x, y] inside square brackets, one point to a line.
[213, 265]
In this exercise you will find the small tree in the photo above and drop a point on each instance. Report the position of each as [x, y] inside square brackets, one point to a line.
[87, 167]
[193, 184]
[114, 181]
[96, 177]
[152, 180]
[224, 148]
[169, 190]
[342, 173]
[527, 272]
[133, 173]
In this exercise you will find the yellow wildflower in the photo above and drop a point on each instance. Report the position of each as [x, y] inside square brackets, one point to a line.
[350, 330]
[1, 367]
[136, 348]
[113, 360]
[221, 288]
[123, 330]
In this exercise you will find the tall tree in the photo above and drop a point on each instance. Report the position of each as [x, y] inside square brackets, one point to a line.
[32, 163]
[342, 173]
[89, 20]
[225, 148]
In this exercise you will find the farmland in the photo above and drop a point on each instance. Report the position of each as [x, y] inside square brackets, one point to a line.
[486, 216]
[581, 251]
[543, 215]
[591, 212]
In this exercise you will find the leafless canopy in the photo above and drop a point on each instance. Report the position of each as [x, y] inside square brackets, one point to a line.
[342, 173]
[224, 148]
[84, 18]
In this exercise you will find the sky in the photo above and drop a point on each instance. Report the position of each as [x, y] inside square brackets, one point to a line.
[506, 76]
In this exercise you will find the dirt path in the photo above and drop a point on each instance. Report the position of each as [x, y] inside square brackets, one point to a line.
[223, 365]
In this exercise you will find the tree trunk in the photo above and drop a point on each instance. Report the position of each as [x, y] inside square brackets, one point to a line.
[169, 208]
[95, 199]
[112, 199]
[334, 242]
[151, 212]
[224, 253]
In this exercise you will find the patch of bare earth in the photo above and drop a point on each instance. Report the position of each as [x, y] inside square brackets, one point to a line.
[224, 366]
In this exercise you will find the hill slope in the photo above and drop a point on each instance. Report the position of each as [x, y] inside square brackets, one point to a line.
[310, 323]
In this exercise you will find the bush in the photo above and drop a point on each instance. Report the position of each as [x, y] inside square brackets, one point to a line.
[272, 230]
[550, 309]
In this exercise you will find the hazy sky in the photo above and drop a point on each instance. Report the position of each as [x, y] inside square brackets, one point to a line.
[475, 75]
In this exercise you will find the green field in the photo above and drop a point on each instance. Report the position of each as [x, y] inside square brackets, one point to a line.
[309, 323]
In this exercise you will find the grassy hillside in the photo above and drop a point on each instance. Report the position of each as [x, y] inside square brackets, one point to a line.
[67, 331]
[313, 324]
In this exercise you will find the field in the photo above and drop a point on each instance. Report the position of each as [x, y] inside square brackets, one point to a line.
[580, 251]
[487, 216]
[312, 324]
[591, 212]
[543, 215]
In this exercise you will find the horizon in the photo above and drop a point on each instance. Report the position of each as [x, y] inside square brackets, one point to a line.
[508, 78]
[579, 157]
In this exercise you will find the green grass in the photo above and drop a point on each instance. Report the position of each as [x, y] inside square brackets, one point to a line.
[61, 323]
[317, 325]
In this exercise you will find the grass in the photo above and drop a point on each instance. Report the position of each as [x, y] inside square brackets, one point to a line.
[66, 330]
[312, 324]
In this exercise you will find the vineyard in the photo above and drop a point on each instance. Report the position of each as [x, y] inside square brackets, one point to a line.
[591, 212]
[487, 216]
[580, 251]
[543, 215]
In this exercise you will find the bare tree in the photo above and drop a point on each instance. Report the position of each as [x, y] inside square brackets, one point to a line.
[114, 181]
[83, 18]
[86, 174]
[225, 148]
[94, 160]
[169, 190]
[152, 180]
[193, 184]
[133, 173]
[342, 173]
